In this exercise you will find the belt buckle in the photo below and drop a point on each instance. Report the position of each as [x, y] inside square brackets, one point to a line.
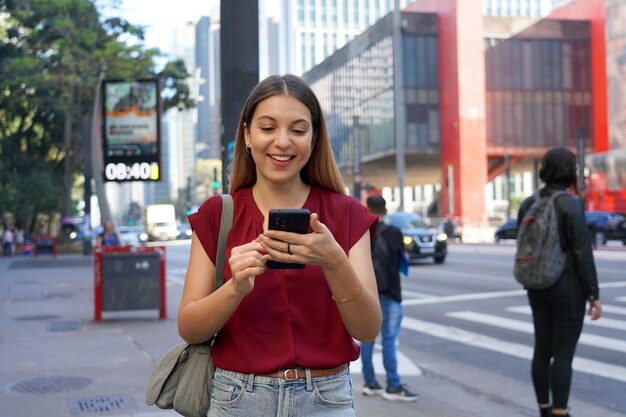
[288, 371]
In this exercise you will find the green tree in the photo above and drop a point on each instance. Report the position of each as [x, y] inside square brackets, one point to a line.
[51, 55]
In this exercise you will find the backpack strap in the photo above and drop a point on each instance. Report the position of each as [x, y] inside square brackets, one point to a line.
[226, 221]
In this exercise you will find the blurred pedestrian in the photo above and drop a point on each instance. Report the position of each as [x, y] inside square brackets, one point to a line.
[8, 239]
[108, 237]
[285, 338]
[559, 310]
[19, 240]
[387, 269]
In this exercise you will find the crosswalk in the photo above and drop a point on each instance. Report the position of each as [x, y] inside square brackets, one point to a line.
[516, 319]
[607, 336]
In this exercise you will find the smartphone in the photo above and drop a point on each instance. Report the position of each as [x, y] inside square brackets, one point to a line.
[288, 220]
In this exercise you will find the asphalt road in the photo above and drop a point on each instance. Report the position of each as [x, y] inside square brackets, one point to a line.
[467, 322]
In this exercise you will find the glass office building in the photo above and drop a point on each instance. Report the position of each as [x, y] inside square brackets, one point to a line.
[356, 87]
[539, 86]
[476, 104]
[520, 8]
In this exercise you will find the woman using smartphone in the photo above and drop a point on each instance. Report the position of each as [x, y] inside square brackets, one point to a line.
[285, 337]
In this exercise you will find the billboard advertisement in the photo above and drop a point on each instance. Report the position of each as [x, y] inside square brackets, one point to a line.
[131, 130]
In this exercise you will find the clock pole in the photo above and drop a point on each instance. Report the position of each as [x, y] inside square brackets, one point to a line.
[96, 159]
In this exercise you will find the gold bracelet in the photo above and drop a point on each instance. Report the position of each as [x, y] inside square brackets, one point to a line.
[350, 297]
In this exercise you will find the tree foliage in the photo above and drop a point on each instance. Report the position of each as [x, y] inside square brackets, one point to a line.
[51, 55]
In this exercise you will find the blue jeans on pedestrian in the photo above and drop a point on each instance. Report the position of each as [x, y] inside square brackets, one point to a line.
[392, 317]
[249, 395]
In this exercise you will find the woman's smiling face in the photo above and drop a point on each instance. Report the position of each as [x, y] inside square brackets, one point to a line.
[280, 138]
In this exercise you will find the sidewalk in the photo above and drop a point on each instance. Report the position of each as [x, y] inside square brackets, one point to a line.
[55, 361]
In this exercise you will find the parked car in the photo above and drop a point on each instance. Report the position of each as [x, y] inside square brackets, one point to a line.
[184, 232]
[420, 239]
[133, 235]
[507, 231]
[129, 236]
[606, 225]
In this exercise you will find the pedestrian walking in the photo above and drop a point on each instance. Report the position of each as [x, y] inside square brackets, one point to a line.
[108, 237]
[285, 337]
[387, 253]
[7, 241]
[559, 310]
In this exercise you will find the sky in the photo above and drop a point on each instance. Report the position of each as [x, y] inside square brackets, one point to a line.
[162, 16]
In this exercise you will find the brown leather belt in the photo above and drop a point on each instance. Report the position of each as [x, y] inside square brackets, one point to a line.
[296, 373]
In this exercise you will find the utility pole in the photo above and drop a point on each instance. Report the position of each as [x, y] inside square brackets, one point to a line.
[96, 158]
[580, 143]
[188, 195]
[398, 92]
[87, 145]
[357, 178]
[507, 184]
[239, 68]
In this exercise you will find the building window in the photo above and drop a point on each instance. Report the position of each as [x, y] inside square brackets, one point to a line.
[313, 59]
[312, 13]
[303, 51]
[301, 12]
[326, 47]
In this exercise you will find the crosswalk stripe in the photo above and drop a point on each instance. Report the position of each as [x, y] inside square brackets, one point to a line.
[176, 280]
[409, 293]
[602, 322]
[406, 367]
[614, 309]
[502, 294]
[525, 327]
[464, 297]
[588, 366]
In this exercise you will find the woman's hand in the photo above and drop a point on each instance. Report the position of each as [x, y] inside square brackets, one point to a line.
[595, 309]
[246, 262]
[317, 248]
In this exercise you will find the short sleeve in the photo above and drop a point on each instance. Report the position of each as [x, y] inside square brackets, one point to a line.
[360, 222]
[206, 224]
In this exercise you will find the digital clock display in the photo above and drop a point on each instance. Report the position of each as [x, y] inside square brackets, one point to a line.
[136, 171]
[131, 129]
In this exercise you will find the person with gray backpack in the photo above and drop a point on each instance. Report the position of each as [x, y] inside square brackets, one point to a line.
[554, 262]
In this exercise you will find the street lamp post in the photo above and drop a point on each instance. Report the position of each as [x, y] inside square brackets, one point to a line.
[580, 143]
[398, 92]
[356, 162]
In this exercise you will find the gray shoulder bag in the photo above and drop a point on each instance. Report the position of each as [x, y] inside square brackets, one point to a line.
[182, 379]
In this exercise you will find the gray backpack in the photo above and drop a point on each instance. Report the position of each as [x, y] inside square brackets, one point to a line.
[539, 258]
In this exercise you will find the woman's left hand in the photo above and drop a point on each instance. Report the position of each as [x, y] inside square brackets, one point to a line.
[316, 248]
[595, 309]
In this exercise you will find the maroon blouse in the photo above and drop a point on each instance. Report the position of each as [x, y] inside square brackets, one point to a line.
[289, 319]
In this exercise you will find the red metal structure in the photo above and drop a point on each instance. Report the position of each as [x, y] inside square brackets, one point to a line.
[132, 291]
[48, 242]
[485, 122]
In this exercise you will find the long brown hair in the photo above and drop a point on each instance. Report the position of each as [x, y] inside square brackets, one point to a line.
[321, 169]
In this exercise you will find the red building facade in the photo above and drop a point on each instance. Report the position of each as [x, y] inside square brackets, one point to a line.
[513, 88]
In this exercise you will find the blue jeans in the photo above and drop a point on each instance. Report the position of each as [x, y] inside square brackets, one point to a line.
[236, 394]
[392, 317]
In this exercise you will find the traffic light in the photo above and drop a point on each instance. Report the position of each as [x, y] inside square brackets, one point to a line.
[216, 183]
